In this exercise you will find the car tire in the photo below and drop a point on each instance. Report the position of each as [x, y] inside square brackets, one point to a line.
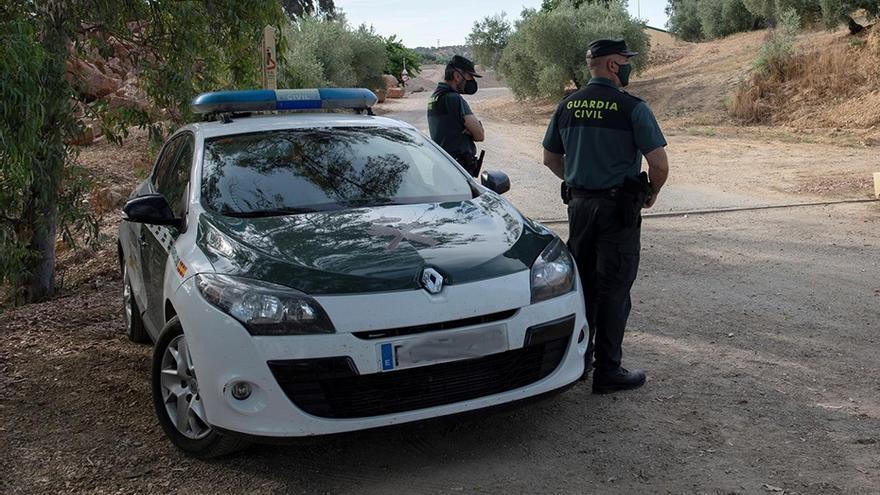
[131, 314]
[195, 436]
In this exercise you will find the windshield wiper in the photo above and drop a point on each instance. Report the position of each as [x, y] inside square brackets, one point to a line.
[269, 213]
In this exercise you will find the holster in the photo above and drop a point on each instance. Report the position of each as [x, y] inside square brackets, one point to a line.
[631, 198]
[470, 163]
[564, 192]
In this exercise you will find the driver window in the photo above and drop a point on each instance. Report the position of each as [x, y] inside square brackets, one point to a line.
[173, 184]
[166, 159]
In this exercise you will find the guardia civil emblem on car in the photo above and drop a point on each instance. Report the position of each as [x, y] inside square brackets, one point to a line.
[287, 266]
[432, 281]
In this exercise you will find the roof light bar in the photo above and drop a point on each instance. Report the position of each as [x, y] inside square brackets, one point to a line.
[263, 100]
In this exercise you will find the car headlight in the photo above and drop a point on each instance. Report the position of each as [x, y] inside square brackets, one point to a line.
[553, 272]
[264, 308]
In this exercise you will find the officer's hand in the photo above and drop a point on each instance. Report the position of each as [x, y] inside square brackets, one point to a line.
[467, 133]
[651, 200]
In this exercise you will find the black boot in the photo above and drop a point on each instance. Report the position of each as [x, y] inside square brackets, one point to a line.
[609, 381]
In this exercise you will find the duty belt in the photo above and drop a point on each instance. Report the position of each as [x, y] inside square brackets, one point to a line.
[609, 193]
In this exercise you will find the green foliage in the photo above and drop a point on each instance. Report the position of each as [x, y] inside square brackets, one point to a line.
[836, 11]
[488, 38]
[178, 54]
[327, 52]
[697, 20]
[21, 118]
[400, 56]
[548, 49]
[720, 18]
[548, 5]
[684, 20]
[185, 58]
[772, 10]
[778, 48]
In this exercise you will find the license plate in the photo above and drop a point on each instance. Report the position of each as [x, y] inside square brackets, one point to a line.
[442, 347]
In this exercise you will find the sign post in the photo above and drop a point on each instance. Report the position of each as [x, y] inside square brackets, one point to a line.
[269, 60]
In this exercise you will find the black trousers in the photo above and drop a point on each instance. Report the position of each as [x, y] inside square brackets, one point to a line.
[607, 257]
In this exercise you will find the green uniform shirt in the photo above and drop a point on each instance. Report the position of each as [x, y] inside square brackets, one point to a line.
[446, 112]
[603, 133]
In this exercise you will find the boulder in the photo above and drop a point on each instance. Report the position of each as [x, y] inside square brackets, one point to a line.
[390, 81]
[395, 92]
[104, 199]
[116, 66]
[90, 132]
[89, 81]
[380, 93]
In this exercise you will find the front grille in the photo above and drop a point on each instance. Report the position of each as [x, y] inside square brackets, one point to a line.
[433, 327]
[332, 387]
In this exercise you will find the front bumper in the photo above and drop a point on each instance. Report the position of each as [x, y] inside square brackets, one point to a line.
[291, 399]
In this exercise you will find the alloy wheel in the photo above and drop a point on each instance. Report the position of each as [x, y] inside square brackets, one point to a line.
[180, 391]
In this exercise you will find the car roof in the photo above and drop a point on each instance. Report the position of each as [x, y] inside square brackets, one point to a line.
[242, 125]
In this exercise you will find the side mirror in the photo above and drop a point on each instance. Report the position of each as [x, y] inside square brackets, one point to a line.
[495, 180]
[151, 209]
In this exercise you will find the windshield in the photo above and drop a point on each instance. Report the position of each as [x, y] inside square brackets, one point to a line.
[303, 170]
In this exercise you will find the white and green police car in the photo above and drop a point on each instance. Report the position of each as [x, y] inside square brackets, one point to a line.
[307, 273]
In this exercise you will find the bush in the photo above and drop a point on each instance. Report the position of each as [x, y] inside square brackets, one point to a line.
[327, 52]
[778, 48]
[547, 52]
[775, 63]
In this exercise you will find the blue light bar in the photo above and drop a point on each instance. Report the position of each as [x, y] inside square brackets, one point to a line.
[262, 100]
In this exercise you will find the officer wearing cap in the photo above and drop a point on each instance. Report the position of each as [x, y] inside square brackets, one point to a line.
[595, 143]
[450, 120]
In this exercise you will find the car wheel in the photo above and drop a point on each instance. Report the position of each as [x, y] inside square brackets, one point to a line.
[134, 324]
[179, 407]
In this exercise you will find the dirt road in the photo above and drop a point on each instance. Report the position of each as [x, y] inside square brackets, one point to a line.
[758, 330]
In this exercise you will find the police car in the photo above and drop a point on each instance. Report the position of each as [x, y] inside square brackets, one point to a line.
[306, 273]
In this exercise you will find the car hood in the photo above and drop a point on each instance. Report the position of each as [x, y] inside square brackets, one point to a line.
[375, 249]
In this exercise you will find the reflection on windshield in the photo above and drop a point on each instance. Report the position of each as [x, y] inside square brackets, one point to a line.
[304, 170]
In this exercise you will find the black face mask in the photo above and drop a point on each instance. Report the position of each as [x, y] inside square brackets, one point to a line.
[469, 87]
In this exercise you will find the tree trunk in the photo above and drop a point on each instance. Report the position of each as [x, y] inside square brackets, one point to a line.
[49, 164]
[41, 282]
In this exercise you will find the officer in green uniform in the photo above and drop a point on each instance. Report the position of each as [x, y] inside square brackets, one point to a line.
[450, 120]
[595, 143]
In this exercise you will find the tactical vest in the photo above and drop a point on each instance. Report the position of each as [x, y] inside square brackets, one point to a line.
[599, 106]
[595, 124]
[446, 126]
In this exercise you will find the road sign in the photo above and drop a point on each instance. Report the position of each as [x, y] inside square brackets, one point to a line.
[269, 60]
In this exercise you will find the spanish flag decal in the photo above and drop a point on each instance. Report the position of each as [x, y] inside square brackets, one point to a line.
[181, 269]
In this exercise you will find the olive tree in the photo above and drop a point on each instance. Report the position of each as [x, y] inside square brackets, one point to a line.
[488, 38]
[548, 50]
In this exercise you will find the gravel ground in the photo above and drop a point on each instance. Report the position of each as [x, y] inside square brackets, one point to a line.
[758, 330]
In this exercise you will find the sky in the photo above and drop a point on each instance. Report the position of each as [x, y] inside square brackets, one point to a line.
[423, 23]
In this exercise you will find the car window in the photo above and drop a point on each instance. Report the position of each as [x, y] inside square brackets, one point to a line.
[166, 159]
[173, 184]
[298, 170]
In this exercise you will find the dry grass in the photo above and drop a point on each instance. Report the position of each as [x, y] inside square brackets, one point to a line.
[821, 85]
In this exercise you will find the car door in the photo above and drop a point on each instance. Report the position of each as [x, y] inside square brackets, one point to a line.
[137, 232]
[171, 181]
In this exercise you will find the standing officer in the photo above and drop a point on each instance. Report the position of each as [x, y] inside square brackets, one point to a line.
[595, 143]
[452, 123]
